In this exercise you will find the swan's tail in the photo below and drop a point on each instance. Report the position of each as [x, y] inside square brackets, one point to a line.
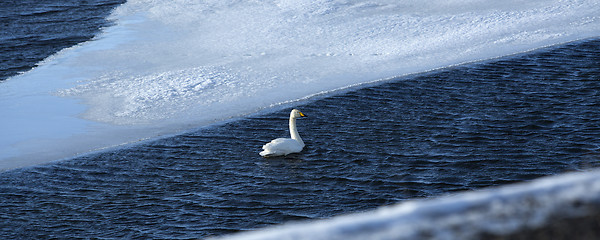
[265, 153]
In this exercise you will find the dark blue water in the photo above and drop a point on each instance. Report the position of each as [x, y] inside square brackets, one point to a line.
[486, 124]
[31, 30]
[468, 127]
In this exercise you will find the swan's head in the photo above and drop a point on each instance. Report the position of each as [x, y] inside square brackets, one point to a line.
[296, 114]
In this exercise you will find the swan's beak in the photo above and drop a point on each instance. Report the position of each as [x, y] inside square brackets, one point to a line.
[302, 114]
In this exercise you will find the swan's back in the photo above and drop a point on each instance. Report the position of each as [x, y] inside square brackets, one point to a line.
[280, 147]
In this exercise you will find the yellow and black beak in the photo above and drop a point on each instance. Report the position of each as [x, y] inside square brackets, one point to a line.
[301, 114]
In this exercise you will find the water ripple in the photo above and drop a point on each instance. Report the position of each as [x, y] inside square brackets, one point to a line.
[468, 127]
[33, 30]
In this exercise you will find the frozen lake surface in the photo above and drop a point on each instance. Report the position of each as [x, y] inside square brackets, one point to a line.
[163, 68]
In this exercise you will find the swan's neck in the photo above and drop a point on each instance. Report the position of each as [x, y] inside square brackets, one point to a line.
[294, 131]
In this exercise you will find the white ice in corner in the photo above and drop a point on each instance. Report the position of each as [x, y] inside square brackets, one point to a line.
[168, 66]
[500, 211]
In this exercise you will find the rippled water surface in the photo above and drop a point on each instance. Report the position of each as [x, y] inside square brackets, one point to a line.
[485, 124]
[31, 30]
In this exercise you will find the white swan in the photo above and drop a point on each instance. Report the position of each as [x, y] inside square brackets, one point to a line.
[285, 146]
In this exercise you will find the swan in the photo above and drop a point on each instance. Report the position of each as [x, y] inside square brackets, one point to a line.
[285, 146]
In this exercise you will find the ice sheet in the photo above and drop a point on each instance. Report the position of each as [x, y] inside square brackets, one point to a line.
[165, 67]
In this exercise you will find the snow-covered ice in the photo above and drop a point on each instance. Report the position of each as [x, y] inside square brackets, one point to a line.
[169, 66]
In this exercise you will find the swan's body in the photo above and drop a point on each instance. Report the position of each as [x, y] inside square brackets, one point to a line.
[285, 146]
